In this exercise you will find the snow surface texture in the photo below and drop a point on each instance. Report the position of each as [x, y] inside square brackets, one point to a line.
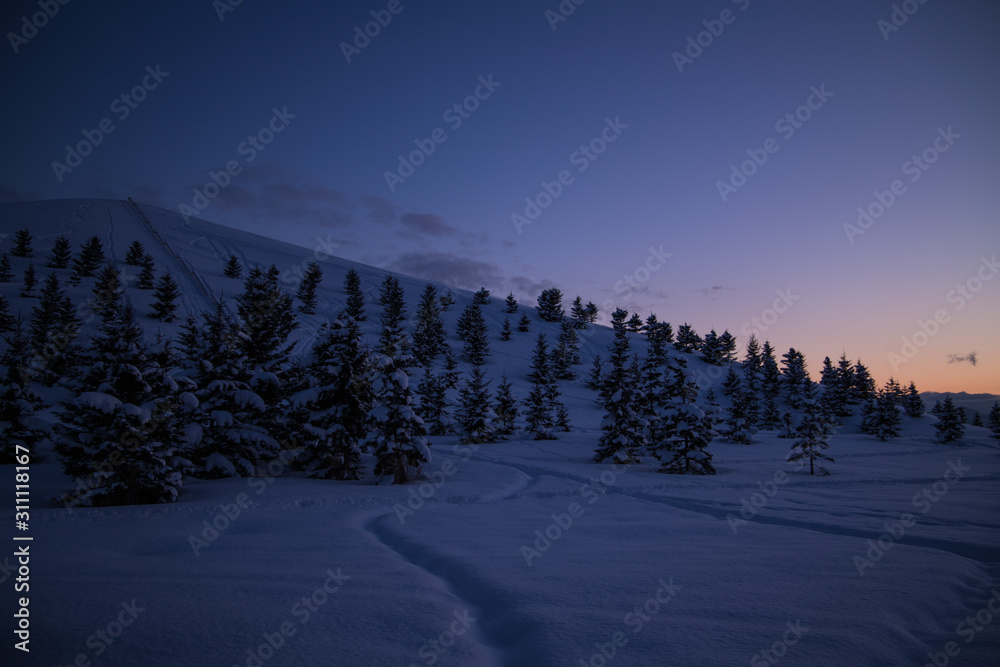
[516, 553]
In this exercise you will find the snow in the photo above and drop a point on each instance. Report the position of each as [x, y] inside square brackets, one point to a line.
[142, 414]
[245, 397]
[98, 401]
[222, 418]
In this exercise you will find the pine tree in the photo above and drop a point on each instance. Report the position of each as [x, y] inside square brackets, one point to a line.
[562, 419]
[482, 297]
[6, 274]
[434, 405]
[22, 244]
[122, 428]
[397, 435]
[90, 258]
[845, 387]
[731, 383]
[770, 376]
[61, 253]
[451, 373]
[753, 365]
[864, 385]
[995, 420]
[913, 403]
[355, 308]
[770, 418]
[550, 305]
[739, 426]
[30, 280]
[977, 419]
[727, 346]
[511, 304]
[475, 413]
[307, 288]
[267, 319]
[567, 352]
[506, 409]
[594, 378]
[883, 420]
[53, 332]
[135, 255]
[166, 295]
[538, 405]
[811, 440]
[472, 330]
[949, 426]
[787, 426]
[429, 334]
[524, 325]
[578, 313]
[506, 332]
[634, 324]
[447, 301]
[711, 350]
[50, 314]
[623, 428]
[147, 277]
[334, 408]
[233, 268]
[653, 391]
[795, 377]
[688, 339]
[107, 291]
[682, 430]
[20, 427]
[7, 321]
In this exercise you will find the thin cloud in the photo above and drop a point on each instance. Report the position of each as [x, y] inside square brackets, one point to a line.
[971, 357]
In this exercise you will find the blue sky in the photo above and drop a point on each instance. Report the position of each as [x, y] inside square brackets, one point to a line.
[888, 95]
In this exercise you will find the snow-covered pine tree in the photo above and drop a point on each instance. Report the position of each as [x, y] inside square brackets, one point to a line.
[147, 276]
[428, 334]
[811, 439]
[355, 308]
[60, 254]
[787, 426]
[30, 281]
[475, 410]
[653, 392]
[334, 408]
[550, 305]
[397, 433]
[845, 386]
[7, 321]
[682, 430]
[949, 426]
[688, 339]
[122, 428]
[505, 331]
[977, 419]
[578, 313]
[753, 365]
[623, 428]
[136, 253]
[166, 295]
[510, 304]
[562, 418]
[266, 320]
[482, 297]
[53, 321]
[538, 405]
[884, 421]
[995, 420]
[727, 347]
[731, 383]
[233, 268]
[505, 408]
[107, 291]
[634, 324]
[913, 403]
[739, 426]
[20, 427]
[893, 389]
[711, 350]
[451, 373]
[6, 274]
[795, 377]
[567, 352]
[306, 293]
[770, 376]
[770, 417]
[472, 330]
[89, 260]
[864, 385]
[595, 375]
[22, 244]
[524, 324]
[433, 408]
[447, 301]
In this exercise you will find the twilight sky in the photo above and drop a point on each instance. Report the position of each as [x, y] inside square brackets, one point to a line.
[626, 134]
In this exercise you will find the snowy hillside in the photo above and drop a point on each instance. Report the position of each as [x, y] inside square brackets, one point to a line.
[516, 552]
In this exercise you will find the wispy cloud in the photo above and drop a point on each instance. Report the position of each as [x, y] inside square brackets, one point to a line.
[971, 357]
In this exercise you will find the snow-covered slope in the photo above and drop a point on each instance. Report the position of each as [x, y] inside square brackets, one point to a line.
[513, 553]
